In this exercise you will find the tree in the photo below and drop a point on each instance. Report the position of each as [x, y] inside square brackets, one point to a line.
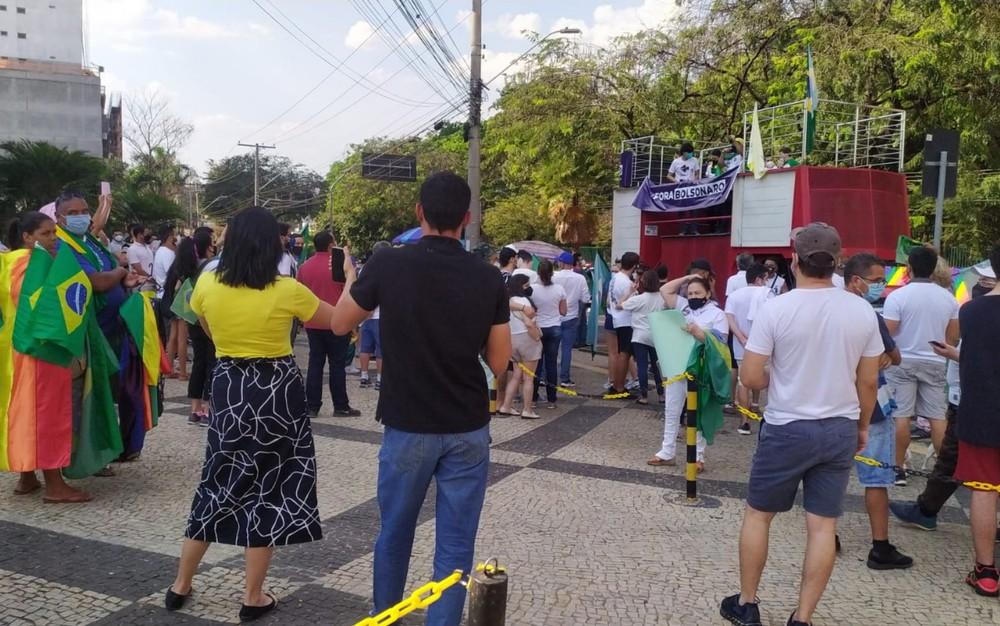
[290, 190]
[32, 174]
[366, 211]
[155, 135]
[518, 218]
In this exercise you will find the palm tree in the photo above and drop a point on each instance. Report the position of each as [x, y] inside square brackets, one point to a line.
[32, 174]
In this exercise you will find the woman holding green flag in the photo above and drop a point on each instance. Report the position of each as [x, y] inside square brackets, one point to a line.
[39, 401]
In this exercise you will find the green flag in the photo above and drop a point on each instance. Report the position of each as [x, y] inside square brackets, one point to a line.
[903, 246]
[811, 102]
[307, 245]
[58, 307]
[710, 365]
[181, 306]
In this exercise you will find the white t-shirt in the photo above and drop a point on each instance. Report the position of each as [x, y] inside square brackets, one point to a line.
[838, 280]
[954, 382]
[736, 281]
[640, 306]
[139, 253]
[923, 310]
[287, 265]
[815, 339]
[517, 327]
[547, 299]
[685, 170]
[708, 317]
[617, 291]
[743, 306]
[576, 289]
[735, 161]
[531, 274]
[162, 261]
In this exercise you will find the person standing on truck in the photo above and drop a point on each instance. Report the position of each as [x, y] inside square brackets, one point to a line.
[685, 168]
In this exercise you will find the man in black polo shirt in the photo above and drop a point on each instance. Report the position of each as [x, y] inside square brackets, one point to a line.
[440, 308]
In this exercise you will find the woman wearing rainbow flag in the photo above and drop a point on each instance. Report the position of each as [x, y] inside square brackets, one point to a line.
[36, 423]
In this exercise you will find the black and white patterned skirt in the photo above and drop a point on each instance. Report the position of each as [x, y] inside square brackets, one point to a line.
[258, 485]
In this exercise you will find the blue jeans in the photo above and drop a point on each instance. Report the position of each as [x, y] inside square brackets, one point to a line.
[644, 357]
[406, 464]
[569, 328]
[551, 338]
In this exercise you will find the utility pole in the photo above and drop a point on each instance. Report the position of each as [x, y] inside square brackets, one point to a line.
[256, 168]
[475, 124]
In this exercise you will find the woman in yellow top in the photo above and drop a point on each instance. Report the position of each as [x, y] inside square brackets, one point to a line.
[258, 483]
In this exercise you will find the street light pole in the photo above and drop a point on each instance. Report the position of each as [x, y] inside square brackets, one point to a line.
[256, 168]
[472, 231]
[475, 125]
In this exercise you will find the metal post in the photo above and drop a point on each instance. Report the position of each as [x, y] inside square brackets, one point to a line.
[939, 202]
[692, 439]
[805, 128]
[488, 597]
[475, 128]
[836, 145]
[857, 129]
[256, 168]
[902, 139]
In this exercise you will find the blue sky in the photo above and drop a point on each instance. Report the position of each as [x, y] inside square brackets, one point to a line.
[230, 70]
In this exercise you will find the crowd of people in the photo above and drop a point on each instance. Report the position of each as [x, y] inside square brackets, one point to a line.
[836, 367]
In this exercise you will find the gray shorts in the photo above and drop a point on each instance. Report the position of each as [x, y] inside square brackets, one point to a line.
[918, 386]
[817, 453]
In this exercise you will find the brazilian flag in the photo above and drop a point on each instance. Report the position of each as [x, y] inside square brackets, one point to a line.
[50, 324]
[181, 306]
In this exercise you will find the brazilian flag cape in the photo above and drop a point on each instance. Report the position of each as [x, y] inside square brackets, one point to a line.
[710, 364]
[140, 322]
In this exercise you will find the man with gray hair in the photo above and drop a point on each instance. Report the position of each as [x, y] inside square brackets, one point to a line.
[739, 280]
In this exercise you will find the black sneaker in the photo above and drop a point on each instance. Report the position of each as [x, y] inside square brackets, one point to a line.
[984, 580]
[365, 383]
[204, 421]
[740, 614]
[900, 478]
[836, 543]
[892, 559]
[378, 385]
[794, 622]
[194, 419]
[917, 433]
[348, 412]
[567, 383]
[744, 429]
[312, 413]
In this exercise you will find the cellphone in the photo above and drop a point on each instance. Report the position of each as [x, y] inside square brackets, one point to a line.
[105, 188]
[937, 344]
[337, 265]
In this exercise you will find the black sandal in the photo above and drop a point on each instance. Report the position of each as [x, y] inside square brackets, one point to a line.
[251, 613]
[175, 601]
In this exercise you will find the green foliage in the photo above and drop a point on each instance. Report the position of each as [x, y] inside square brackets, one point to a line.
[518, 218]
[365, 211]
[291, 191]
[32, 174]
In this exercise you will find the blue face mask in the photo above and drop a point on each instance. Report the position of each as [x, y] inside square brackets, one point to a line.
[874, 293]
[78, 224]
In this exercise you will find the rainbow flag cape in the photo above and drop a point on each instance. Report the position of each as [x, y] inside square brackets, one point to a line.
[896, 276]
[140, 321]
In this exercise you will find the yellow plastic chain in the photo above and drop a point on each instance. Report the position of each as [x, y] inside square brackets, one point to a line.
[419, 599]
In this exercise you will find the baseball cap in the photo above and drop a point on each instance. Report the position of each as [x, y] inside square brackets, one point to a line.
[565, 257]
[817, 239]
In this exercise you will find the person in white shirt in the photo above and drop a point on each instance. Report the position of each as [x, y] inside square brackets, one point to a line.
[174, 331]
[577, 292]
[524, 262]
[816, 349]
[550, 304]
[685, 168]
[140, 256]
[774, 280]
[621, 320]
[734, 154]
[916, 314]
[739, 280]
[287, 266]
[741, 308]
[645, 299]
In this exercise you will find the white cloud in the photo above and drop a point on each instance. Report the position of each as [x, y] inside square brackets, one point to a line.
[610, 22]
[358, 34]
[514, 26]
[127, 25]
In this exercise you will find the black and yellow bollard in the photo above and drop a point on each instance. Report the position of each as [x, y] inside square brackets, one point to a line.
[493, 396]
[692, 439]
[488, 595]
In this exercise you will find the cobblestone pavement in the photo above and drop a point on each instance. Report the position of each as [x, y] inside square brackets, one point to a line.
[589, 533]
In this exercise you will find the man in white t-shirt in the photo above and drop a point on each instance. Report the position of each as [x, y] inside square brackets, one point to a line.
[164, 258]
[685, 168]
[739, 280]
[575, 286]
[140, 256]
[524, 262]
[621, 320]
[774, 281]
[741, 308]
[916, 314]
[823, 347]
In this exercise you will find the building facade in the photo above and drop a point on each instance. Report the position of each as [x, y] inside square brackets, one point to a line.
[47, 93]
